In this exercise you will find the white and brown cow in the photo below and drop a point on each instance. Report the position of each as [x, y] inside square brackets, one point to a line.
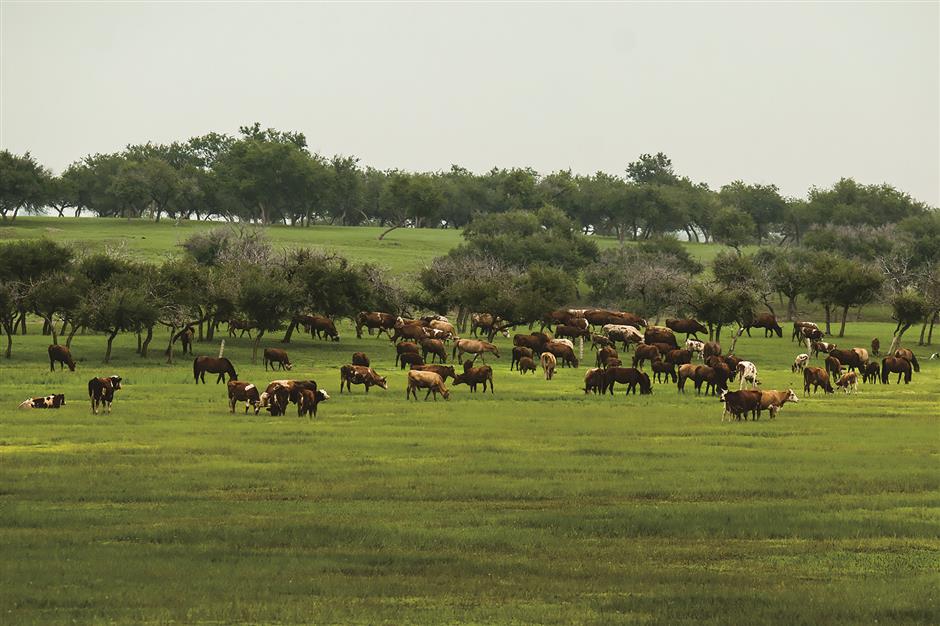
[240, 391]
[46, 402]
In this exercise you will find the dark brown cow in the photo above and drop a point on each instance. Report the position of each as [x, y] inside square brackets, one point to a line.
[360, 375]
[595, 379]
[679, 357]
[661, 368]
[405, 347]
[766, 321]
[309, 400]
[875, 346]
[688, 326]
[732, 361]
[833, 366]
[604, 355]
[53, 401]
[535, 342]
[717, 379]
[319, 326]
[658, 334]
[557, 317]
[898, 365]
[740, 403]
[473, 376]
[572, 332]
[712, 348]
[240, 391]
[599, 341]
[904, 353]
[410, 358]
[444, 371]
[411, 332]
[872, 372]
[243, 325]
[816, 377]
[375, 320]
[645, 352]
[101, 392]
[526, 364]
[276, 355]
[213, 365]
[434, 347]
[361, 358]
[629, 376]
[564, 353]
[852, 359]
[488, 323]
[520, 352]
[62, 355]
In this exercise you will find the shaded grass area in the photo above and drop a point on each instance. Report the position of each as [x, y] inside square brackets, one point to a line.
[534, 505]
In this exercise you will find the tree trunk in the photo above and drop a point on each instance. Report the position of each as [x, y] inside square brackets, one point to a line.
[138, 342]
[933, 320]
[254, 350]
[9, 351]
[169, 347]
[734, 340]
[146, 344]
[896, 342]
[290, 331]
[22, 322]
[388, 230]
[718, 333]
[828, 318]
[791, 308]
[55, 336]
[107, 355]
[68, 341]
[923, 331]
[845, 313]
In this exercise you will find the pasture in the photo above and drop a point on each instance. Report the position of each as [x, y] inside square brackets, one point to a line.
[538, 504]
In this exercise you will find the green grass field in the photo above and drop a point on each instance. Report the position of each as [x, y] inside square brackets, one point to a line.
[534, 505]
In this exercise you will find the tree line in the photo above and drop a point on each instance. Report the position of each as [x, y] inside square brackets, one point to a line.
[269, 176]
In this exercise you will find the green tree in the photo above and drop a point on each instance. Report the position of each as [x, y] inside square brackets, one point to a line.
[853, 284]
[23, 184]
[266, 301]
[908, 308]
[733, 227]
[762, 202]
[410, 197]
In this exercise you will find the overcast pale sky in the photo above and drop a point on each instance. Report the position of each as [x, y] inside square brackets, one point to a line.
[795, 94]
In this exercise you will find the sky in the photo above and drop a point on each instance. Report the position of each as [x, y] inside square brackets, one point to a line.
[794, 94]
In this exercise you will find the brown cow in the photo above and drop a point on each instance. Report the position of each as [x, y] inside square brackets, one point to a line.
[872, 372]
[798, 327]
[661, 368]
[679, 357]
[441, 370]
[240, 391]
[319, 326]
[519, 352]
[852, 359]
[361, 358]
[571, 332]
[563, 352]
[359, 375]
[712, 348]
[894, 364]
[740, 403]
[382, 322]
[308, 401]
[549, 363]
[875, 346]
[604, 354]
[410, 358]
[766, 321]
[243, 325]
[629, 376]
[595, 379]
[833, 366]
[276, 355]
[101, 392]
[848, 381]
[475, 347]
[62, 355]
[411, 332]
[599, 341]
[418, 379]
[434, 347]
[688, 326]
[717, 379]
[534, 341]
[658, 334]
[473, 376]
[645, 352]
[486, 322]
[213, 365]
[817, 377]
[686, 371]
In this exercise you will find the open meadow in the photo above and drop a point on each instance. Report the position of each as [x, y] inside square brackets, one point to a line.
[537, 504]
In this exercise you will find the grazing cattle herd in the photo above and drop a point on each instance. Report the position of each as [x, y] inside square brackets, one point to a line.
[421, 347]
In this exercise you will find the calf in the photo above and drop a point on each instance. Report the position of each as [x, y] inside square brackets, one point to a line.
[418, 379]
[473, 376]
[598, 341]
[101, 392]
[46, 402]
[360, 375]
[872, 372]
[309, 400]
[605, 354]
[526, 364]
[799, 363]
[405, 347]
[360, 358]
[276, 355]
[240, 391]
[61, 355]
[848, 382]
[816, 377]
[661, 368]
